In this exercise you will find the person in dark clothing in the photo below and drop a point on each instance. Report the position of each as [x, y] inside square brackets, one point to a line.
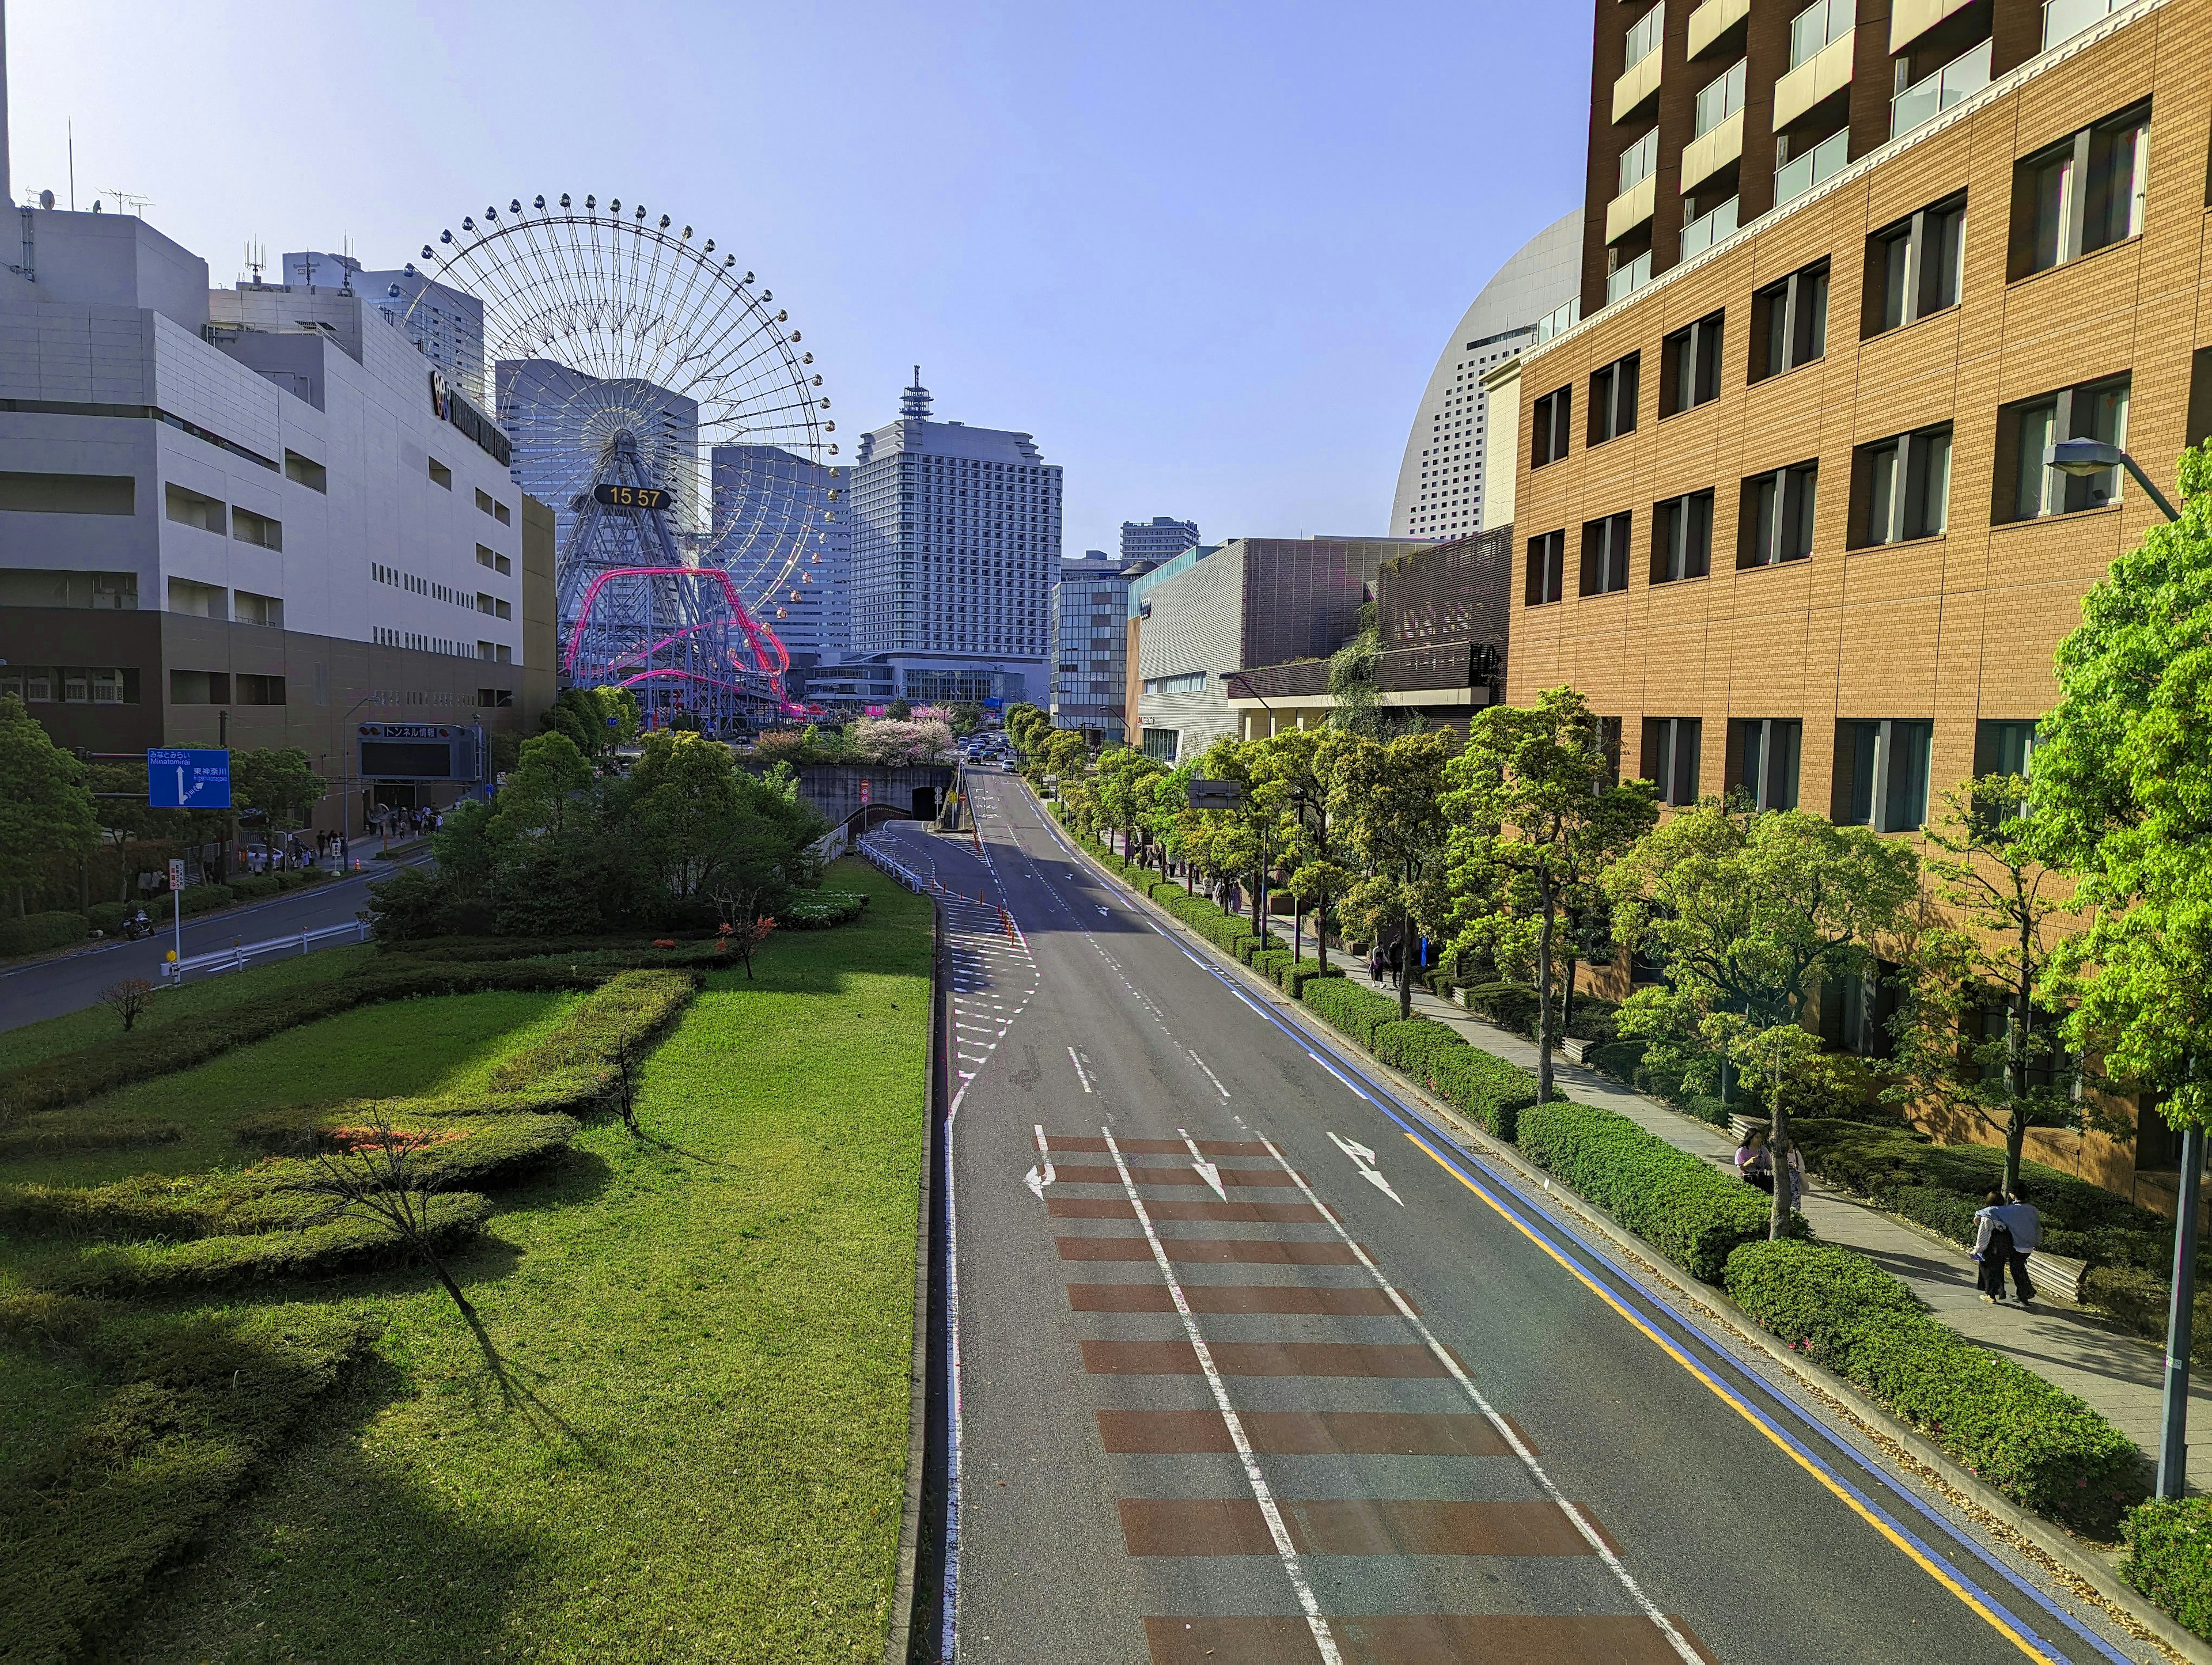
[2026, 1225]
[1993, 1247]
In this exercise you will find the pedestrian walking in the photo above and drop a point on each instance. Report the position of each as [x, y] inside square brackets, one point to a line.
[1375, 964]
[1754, 1163]
[2026, 1225]
[1993, 1247]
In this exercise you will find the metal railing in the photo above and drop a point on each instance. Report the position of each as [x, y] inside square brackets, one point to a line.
[884, 861]
[1800, 173]
[1930, 96]
[239, 955]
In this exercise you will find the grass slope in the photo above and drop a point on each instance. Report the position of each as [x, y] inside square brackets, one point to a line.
[698, 1450]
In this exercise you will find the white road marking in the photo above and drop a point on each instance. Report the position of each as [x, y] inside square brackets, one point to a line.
[1036, 1182]
[1332, 1069]
[1362, 1160]
[1208, 1171]
[1081, 1074]
[1210, 1075]
[1506, 1431]
[1285, 1550]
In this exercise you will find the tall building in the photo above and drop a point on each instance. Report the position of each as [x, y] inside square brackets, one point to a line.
[1090, 633]
[956, 545]
[1531, 297]
[446, 324]
[251, 517]
[1782, 504]
[558, 417]
[766, 501]
[1157, 539]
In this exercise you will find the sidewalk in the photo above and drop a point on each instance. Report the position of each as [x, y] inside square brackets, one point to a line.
[2119, 1374]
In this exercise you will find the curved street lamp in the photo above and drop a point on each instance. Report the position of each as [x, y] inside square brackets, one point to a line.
[2083, 458]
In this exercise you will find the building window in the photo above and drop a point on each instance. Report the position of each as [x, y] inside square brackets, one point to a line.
[1763, 758]
[1670, 757]
[2082, 194]
[1881, 773]
[1913, 267]
[1605, 554]
[1612, 401]
[199, 688]
[440, 474]
[1183, 682]
[2026, 489]
[1856, 1013]
[189, 508]
[304, 471]
[68, 494]
[1682, 537]
[1548, 426]
[1161, 743]
[1818, 26]
[250, 608]
[1789, 322]
[248, 527]
[1777, 520]
[2004, 747]
[1901, 488]
[199, 600]
[1718, 100]
[1547, 559]
[260, 690]
[1639, 161]
[1690, 365]
[1644, 35]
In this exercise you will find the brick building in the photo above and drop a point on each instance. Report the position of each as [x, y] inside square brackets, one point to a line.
[1779, 503]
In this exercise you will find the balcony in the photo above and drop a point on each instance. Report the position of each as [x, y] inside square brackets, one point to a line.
[1631, 208]
[1823, 74]
[1638, 82]
[2064, 19]
[1706, 155]
[1800, 173]
[1702, 232]
[1911, 19]
[1625, 281]
[1713, 20]
[1930, 97]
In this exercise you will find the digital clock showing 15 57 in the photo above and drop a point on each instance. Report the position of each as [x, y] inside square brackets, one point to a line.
[650, 497]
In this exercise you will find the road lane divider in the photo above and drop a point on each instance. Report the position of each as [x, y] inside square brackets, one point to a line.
[1081, 1074]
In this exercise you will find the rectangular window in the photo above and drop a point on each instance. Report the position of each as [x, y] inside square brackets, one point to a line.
[199, 600]
[2004, 747]
[1901, 488]
[2026, 488]
[504, 609]
[1818, 26]
[1682, 537]
[495, 698]
[1160, 743]
[1856, 1012]
[1612, 401]
[248, 608]
[1644, 35]
[1789, 322]
[1881, 773]
[199, 688]
[440, 474]
[260, 690]
[1763, 760]
[1183, 682]
[1776, 524]
[1718, 100]
[307, 471]
[248, 527]
[1690, 365]
[1605, 554]
[68, 494]
[1640, 162]
[188, 507]
[2082, 194]
[1548, 427]
[1670, 757]
[1913, 267]
[1547, 568]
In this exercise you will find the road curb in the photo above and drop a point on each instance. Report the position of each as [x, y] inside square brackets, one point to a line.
[2096, 1569]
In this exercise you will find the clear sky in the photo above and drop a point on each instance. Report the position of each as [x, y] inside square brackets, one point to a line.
[1207, 253]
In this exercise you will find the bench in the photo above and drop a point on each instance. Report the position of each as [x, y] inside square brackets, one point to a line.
[1576, 1050]
[1741, 1126]
[2057, 1274]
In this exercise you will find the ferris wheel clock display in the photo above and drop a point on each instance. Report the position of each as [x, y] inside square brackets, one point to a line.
[660, 402]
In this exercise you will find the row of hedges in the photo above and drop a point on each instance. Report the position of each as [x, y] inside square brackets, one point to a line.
[1513, 1006]
[819, 910]
[34, 933]
[2039, 1446]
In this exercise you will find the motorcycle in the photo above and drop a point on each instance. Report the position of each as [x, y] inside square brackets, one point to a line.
[136, 927]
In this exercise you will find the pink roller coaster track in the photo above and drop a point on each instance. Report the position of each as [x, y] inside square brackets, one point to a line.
[771, 660]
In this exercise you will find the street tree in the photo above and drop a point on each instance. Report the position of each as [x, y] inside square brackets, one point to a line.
[1751, 912]
[277, 783]
[1300, 769]
[1391, 805]
[45, 808]
[1536, 816]
[1120, 771]
[1242, 840]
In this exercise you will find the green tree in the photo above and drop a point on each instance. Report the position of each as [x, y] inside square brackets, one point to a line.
[1300, 770]
[1355, 707]
[278, 782]
[1751, 913]
[1391, 805]
[45, 808]
[1241, 841]
[967, 720]
[1122, 803]
[1536, 816]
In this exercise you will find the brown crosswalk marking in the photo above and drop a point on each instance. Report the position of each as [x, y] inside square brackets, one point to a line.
[1351, 1526]
[1185, 1208]
[1079, 1173]
[1179, 1358]
[1503, 1639]
[1209, 1251]
[1162, 1147]
[1365, 1302]
[1305, 1433]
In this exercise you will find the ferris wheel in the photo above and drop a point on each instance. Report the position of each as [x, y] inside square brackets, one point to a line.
[660, 402]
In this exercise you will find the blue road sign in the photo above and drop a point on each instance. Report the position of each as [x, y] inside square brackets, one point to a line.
[177, 779]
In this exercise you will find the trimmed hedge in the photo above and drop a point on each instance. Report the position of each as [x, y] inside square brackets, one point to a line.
[637, 1004]
[2169, 1558]
[2042, 1448]
[35, 933]
[819, 910]
[1687, 1210]
[204, 898]
[1343, 1005]
[52, 1134]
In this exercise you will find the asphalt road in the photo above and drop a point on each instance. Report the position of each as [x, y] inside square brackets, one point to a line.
[1343, 1406]
[48, 988]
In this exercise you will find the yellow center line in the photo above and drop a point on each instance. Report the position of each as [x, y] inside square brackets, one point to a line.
[1929, 1567]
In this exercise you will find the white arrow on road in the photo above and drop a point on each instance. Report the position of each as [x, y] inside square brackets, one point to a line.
[1208, 1171]
[1361, 1157]
[1033, 1179]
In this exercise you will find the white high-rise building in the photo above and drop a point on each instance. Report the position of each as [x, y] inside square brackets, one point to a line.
[445, 323]
[552, 412]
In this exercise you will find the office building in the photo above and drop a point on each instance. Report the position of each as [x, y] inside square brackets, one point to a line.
[768, 505]
[1220, 608]
[445, 323]
[1529, 299]
[1089, 634]
[956, 546]
[251, 518]
[1157, 539]
[1782, 506]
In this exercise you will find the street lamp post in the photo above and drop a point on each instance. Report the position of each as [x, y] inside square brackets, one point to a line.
[2081, 459]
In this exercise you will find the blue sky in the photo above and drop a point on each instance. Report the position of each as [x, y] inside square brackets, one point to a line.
[1207, 254]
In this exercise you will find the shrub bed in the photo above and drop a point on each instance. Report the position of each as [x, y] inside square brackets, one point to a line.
[35, 933]
[2042, 1448]
[1343, 1005]
[819, 910]
[2169, 1558]
[53, 1134]
[1690, 1212]
[633, 1004]
[204, 898]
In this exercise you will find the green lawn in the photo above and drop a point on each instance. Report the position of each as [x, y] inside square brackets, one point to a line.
[698, 1449]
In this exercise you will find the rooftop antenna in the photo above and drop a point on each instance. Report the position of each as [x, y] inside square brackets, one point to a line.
[346, 264]
[257, 256]
[129, 201]
[72, 166]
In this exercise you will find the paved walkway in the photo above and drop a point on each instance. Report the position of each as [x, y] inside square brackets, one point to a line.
[2119, 1373]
